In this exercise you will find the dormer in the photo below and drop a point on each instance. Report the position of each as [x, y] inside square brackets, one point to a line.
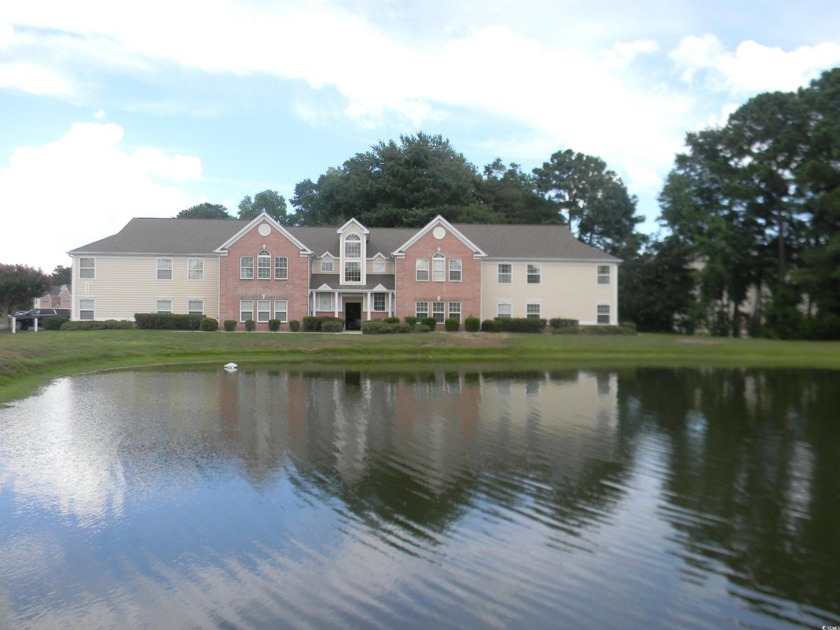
[353, 252]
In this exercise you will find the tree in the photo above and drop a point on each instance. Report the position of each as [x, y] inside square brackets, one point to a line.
[269, 201]
[204, 211]
[511, 196]
[19, 285]
[61, 275]
[591, 199]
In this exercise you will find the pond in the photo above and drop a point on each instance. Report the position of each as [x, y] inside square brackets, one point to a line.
[200, 498]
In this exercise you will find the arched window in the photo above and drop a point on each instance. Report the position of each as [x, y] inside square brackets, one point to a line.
[438, 267]
[264, 265]
[352, 246]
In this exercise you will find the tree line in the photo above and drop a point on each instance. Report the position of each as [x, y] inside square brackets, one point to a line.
[752, 206]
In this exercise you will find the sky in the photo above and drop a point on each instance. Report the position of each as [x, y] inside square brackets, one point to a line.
[113, 110]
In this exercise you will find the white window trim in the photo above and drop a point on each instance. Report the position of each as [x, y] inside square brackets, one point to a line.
[284, 319]
[262, 256]
[460, 269]
[242, 310]
[508, 303]
[598, 314]
[418, 267]
[533, 303]
[439, 269]
[603, 279]
[276, 260]
[198, 300]
[190, 269]
[170, 270]
[509, 274]
[242, 268]
[528, 273]
[91, 267]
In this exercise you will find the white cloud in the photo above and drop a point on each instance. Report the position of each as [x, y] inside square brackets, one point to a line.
[84, 186]
[34, 79]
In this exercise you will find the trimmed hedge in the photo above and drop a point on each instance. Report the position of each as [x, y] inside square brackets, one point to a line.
[294, 325]
[431, 322]
[410, 320]
[472, 324]
[607, 330]
[559, 322]
[168, 321]
[53, 323]
[229, 325]
[332, 326]
[209, 324]
[108, 324]
[490, 325]
[315, 324]
[274, 325]
[250, 325]
[451, 325]
[521, 324]
[380, 327]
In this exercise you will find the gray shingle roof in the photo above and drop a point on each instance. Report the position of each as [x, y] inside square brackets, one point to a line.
[203, 236]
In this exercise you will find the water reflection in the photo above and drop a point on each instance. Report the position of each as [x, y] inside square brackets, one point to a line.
[449, 498]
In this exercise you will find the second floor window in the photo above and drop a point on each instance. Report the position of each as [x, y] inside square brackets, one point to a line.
[422, 269]
[264, 265]
[505, 273]
[196, 269]
[246, 268]
[164, 269]
[352, 246]
[533, 273]
[352, 272]
[281, 268]
[455, 270]
[603, 274]
[87, 267]
[438, 268]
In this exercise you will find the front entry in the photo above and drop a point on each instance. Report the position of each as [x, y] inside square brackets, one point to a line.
[353, 316]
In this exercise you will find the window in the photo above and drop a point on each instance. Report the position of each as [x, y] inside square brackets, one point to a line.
[533, 273]
[603, 313]
[246, 268]
[324, 302]
[379, 265]
[603, 274]
[438, 312]
[281, 268]
[504, 310]
[263, 312]
[352, 246]
[195, 307]
[164, 306]
[422, 269]
[438, 268]
[246, 310]
[455, 310]
[87, 308]
[327, 266]
[421, 309]
[264, 265]
[196, 269]
[352, 272]
[281, 310]
[455, 270]
[164, 269]
[504, 273]
[379, 301]
[532, 310]
[87, 267]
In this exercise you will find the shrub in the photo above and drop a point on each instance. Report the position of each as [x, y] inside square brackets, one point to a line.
[558, 322]
[566, 330]
[420, 328]
[53, 323]
[431, 322]
[490, 325]
[521, 324]
[229, 325]
[274, 325]
[607, 330]
[323, 319]
[410, 320]
[452, 325]
[378, 327]
[472, 324]
[332, 326]
[108, 324]
[209, 324]
[168, 321]
[391, 320]
[250, 324]
[294, 325]
[310, 323]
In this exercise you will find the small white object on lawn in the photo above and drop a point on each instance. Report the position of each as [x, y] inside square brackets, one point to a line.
[231, 367]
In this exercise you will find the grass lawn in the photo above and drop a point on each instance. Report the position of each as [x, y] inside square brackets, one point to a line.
[29, 360]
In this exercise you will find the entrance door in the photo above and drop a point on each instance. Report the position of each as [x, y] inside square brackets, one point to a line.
[353, 316]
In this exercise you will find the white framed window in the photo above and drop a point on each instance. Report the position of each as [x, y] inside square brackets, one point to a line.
[281, 268]
[438, 268]
[352, 246]
[438, 312]
[164, 269]
[195, 307]
[195, 268]
[504, 310]
[264, 265]
[246, 268]
[533, 310]
[603, 313]
[87, 268]
[421, 310]
[327, 265]
[454, 270]
[378, 265]
[352, 272]
[246, 310]
[379, 300]
[164, 306]
[324, 301]
[87, 309]
[421, 266]
[505, 271]
[534, 273]
[455, 310]
[281, 310]
[263, 310]
[603, 274]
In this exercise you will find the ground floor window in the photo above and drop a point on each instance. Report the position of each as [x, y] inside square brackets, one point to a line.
[246, 310]
[195, 307]
[281, 310]
[504, 310]
[164, 306]
[437, 312]
[532, 310]
[421, 309]
[603, 313]
[379, 301]
[324, 301]
[87, 309]
[455, 310]
[263, 310]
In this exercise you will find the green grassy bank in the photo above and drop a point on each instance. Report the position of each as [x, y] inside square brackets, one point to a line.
[28, 360]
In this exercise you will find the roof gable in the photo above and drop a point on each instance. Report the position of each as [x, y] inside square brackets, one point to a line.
[439, 221]
[263, 218]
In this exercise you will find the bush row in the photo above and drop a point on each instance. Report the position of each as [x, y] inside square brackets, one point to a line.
[106, 324]
[168, 321]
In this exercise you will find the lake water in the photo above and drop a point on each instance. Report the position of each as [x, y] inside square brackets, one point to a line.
[693, 498]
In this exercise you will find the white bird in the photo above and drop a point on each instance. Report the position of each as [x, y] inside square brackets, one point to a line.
[231, 367]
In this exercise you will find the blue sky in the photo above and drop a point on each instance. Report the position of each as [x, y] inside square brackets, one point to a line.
[111, 110]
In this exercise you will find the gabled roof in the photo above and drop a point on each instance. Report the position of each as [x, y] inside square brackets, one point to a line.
[263, 217]
[431, 225]
[532, 242]
[355, 222]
